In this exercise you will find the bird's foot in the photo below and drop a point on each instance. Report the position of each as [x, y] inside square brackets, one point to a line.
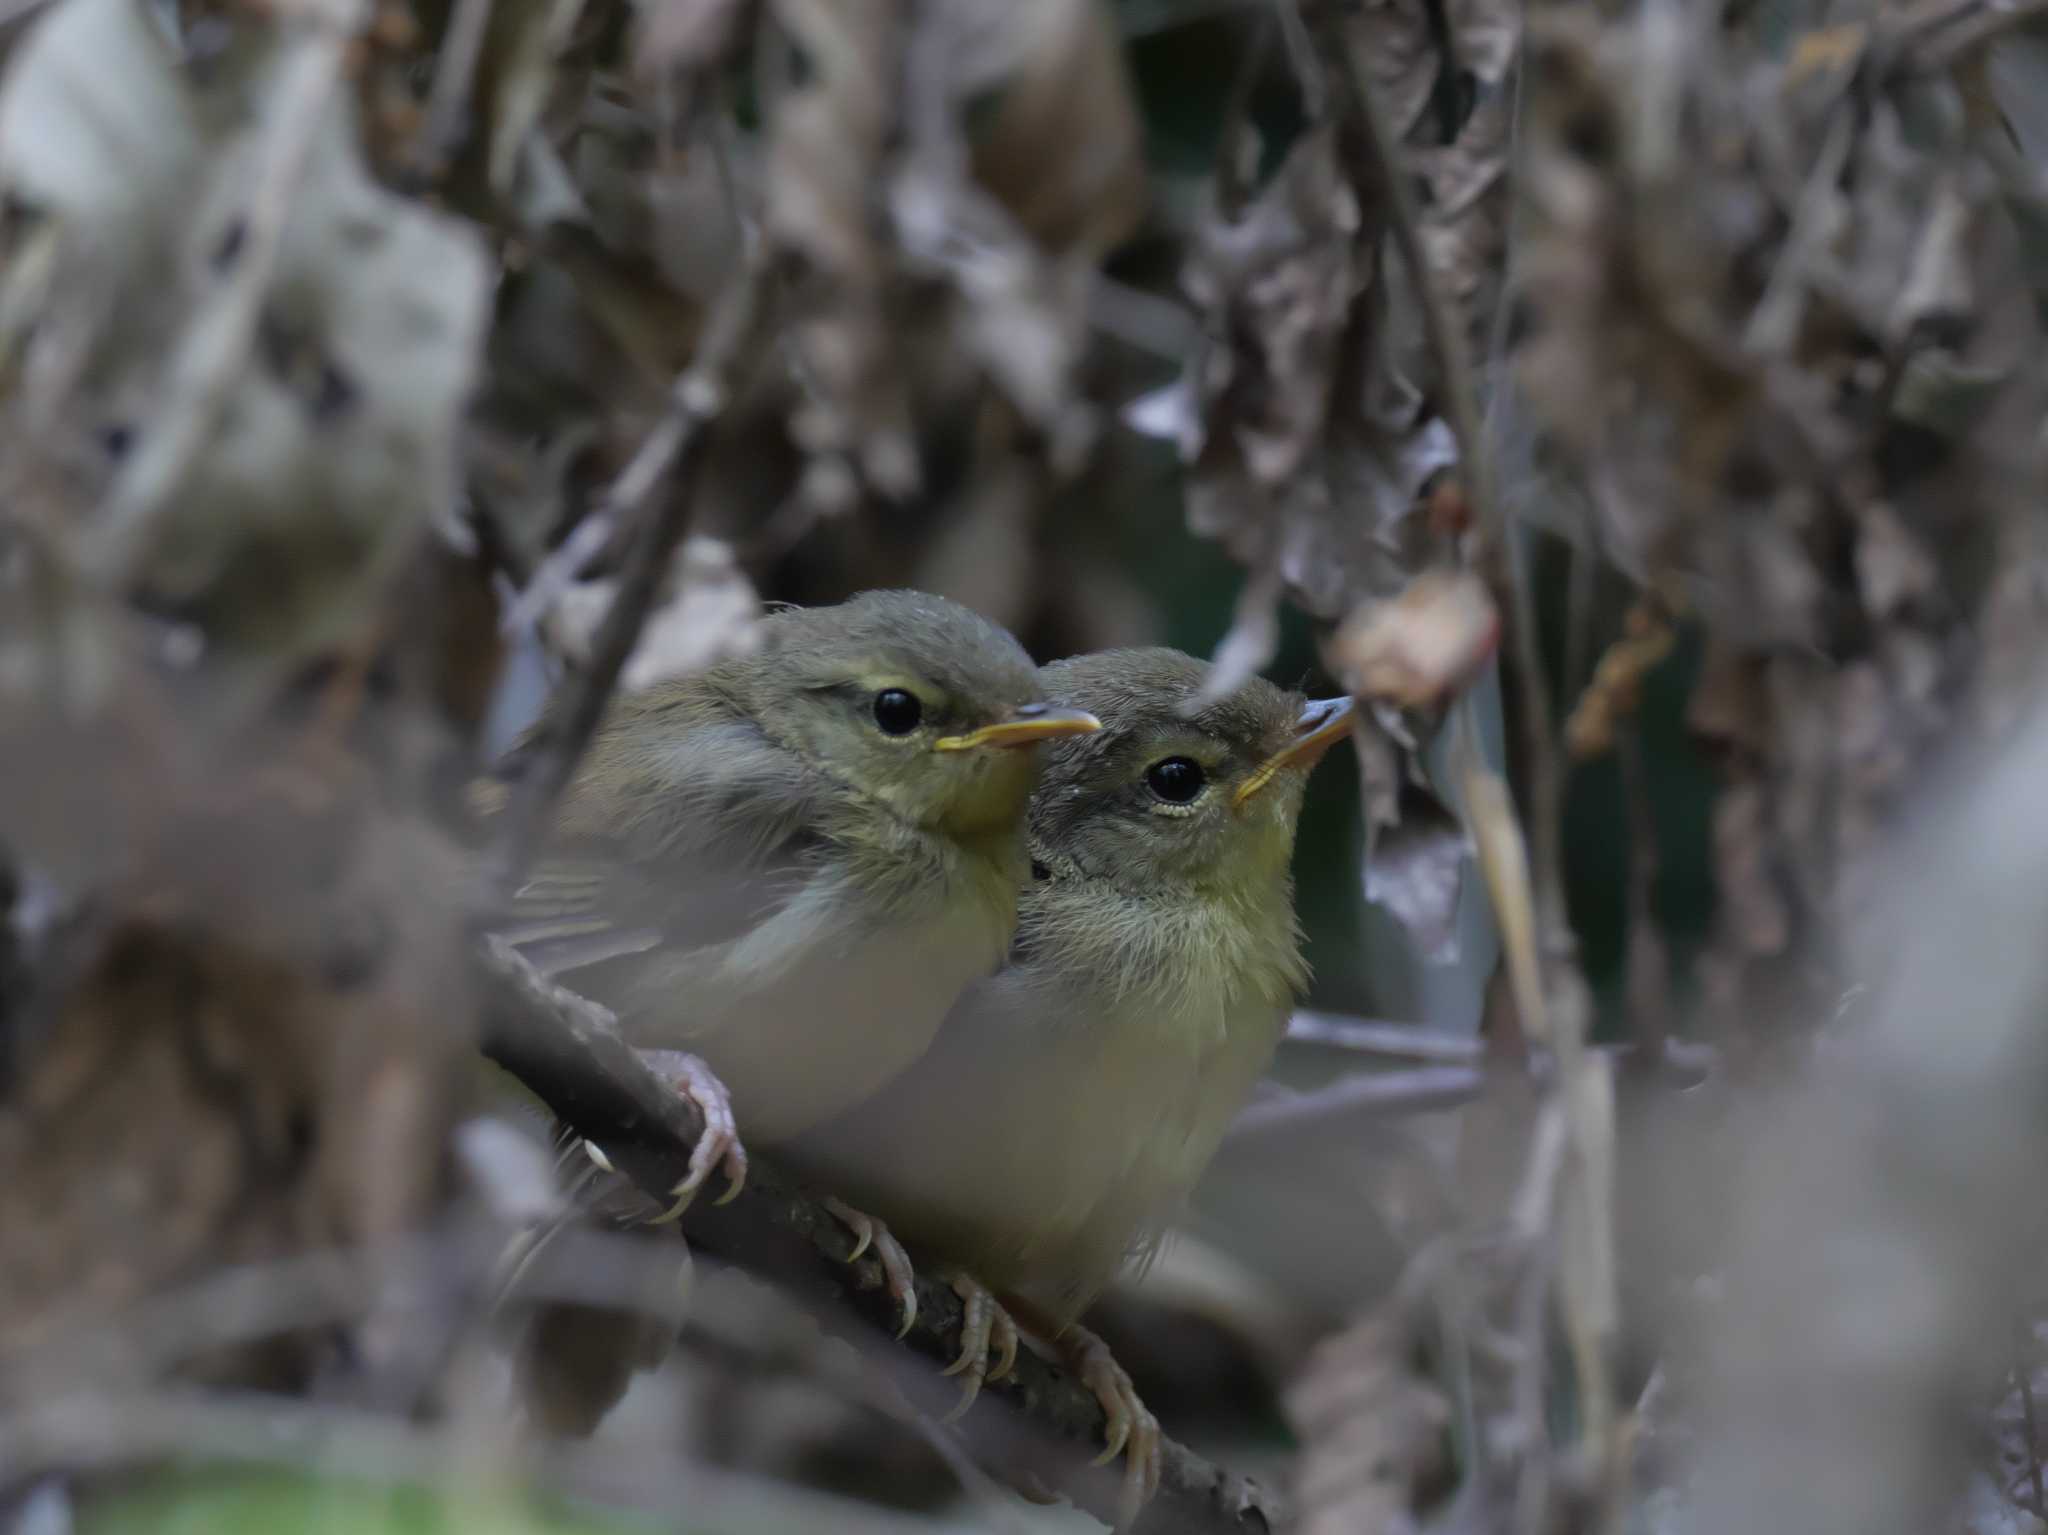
[719, 1145]
[984, 1326]
[1131, 1428]
[896, 1266]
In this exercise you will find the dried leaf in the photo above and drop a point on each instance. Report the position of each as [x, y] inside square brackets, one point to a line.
[1753, 909]
[824, 156]
[1372, 1429]
[685, 35]
[1415, 869]
[1418, 649]
[1276, 286]
[518, 68]
[713, 613]
[1647, 638]
[1312, 451]
[1063, 150]
[1893, 568]
[289, 461]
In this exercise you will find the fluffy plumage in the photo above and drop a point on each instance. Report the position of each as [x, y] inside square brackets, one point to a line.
[750, 868]
[1071, 1100]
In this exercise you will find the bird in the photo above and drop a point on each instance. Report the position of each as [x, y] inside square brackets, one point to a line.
[781, 871]
[1071, 1100]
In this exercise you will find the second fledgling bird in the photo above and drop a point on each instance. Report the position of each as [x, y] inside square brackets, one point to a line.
[1072, 1099]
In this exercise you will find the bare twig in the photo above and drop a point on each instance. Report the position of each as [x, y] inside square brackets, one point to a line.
[563, 565]
[454, 74]
[672, 454]
[1378, 1093]
[564, 1049]
[1401, 1041]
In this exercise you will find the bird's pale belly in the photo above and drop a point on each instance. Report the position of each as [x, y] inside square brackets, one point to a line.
[1039, 1157]
[800, 1030]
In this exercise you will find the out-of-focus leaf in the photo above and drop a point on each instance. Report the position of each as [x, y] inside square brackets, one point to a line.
[271, 1503]
[1646, 639]
[824, 158]
[1944, 395]
[712, 614]
[520, 49]
[512, 1168]
[1062, 150]
[333, 436]
[1416, 649]
[1415, 868]
[1276, 287]
[685, 34]
[1372, 1429]
[1304, 463]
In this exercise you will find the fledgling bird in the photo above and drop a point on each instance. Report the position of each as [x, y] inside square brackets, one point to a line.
[1071, 1100]
[792, 863]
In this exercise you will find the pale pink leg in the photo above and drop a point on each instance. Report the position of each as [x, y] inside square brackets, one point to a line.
[1131, 1427]
[720, 1142]
[984, 1324]
[869, 1232]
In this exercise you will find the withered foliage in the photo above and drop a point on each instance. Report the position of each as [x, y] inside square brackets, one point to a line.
[1783, 335]
[368, 368]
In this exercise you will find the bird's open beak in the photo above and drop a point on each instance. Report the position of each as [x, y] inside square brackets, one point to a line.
[1322, 724]
[1030, 724]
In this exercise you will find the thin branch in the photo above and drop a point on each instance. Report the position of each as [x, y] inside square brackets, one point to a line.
[1381, 1094]
[566, 1051]
[673, 455]
[462, 45]
[1367, 1036]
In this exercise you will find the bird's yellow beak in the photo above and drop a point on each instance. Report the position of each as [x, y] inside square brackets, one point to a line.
[1323, 722]
[1029, 724]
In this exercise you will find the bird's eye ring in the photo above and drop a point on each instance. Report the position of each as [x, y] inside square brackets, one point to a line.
[1177, 780]
[898, 711]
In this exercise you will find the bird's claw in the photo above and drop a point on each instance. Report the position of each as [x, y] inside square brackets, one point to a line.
[1130, 1428]
[984, 1325]
[719, 1145]
[896, 1265]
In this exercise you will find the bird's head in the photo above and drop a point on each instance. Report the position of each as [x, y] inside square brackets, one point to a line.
[915, 701]
[1171, 794]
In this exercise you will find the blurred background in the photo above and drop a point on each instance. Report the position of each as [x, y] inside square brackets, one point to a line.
[1636, 407]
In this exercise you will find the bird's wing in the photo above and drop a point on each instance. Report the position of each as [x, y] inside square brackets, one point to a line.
[721, 836]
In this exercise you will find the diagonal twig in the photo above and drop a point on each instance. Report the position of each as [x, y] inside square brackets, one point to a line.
[673, 454]
[565, 1050]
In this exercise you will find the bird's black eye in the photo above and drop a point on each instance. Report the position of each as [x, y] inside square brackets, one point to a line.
[897, 711]
[1177, 780]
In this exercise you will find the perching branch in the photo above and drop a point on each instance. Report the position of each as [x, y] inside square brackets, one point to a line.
[566, 1050]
